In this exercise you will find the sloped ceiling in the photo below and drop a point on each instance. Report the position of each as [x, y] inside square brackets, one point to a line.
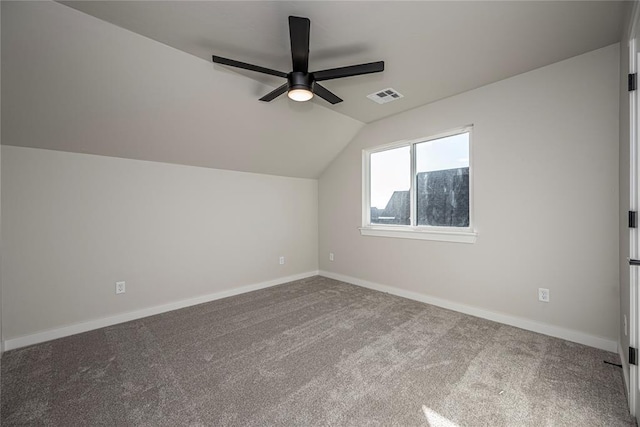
[432, 49]
[74, 81]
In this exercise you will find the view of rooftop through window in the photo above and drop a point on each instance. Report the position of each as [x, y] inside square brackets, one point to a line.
[441, 177]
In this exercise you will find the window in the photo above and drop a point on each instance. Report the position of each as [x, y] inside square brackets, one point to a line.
[420, 189]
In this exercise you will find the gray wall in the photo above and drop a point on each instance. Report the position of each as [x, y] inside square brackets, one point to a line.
[545, 147]
[74, 224]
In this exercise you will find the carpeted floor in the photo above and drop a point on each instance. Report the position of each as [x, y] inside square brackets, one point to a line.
[312, 352]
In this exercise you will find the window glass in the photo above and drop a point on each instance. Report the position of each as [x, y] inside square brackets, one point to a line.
[390, 181]
[442, 181]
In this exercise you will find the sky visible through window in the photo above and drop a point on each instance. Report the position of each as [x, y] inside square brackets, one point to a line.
[391, 169]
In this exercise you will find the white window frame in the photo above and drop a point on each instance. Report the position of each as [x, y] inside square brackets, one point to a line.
[421, 232]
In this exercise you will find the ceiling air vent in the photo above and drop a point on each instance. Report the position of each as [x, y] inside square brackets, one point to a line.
[385, 95]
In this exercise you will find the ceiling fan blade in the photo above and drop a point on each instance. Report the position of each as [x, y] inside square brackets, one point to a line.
[352, 70]
[275, 93]
[325, 94]
[244, 65]
[299, 29]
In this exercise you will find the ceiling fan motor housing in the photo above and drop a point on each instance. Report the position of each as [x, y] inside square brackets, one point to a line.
[300, 80]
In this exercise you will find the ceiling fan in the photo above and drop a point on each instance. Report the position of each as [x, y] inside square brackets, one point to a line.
[301, 85]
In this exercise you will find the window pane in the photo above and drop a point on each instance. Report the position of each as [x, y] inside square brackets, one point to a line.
[390, 183]
[442, 175]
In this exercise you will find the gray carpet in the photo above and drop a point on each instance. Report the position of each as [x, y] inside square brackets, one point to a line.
[312, 352]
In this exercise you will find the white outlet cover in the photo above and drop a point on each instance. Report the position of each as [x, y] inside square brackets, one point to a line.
[120, 287]
[543, 294]
[330, 256]
[281, 260]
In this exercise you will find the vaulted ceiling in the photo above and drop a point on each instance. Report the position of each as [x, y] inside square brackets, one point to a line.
[432, 49]
[134, 79]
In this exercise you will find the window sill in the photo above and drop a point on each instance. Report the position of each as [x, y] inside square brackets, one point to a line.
[415, 233]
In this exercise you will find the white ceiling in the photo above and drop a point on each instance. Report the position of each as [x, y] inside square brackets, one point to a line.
[76, 82]
[72, 82]
[432, 50]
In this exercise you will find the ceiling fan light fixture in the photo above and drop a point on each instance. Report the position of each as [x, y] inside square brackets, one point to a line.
[300, 95]
[301, 84]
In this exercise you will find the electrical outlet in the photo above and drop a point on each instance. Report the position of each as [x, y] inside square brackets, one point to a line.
[625, 324]
[281, 260]
[330, 256]
[543, 294]
[120, 287]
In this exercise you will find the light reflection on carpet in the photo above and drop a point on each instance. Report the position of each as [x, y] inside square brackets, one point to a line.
[436, 420]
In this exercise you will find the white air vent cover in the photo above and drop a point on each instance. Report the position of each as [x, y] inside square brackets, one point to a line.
[385, 95]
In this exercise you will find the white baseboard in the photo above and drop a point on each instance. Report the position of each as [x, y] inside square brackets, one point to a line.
[90, 325]
[554, 331]
[518, 322]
